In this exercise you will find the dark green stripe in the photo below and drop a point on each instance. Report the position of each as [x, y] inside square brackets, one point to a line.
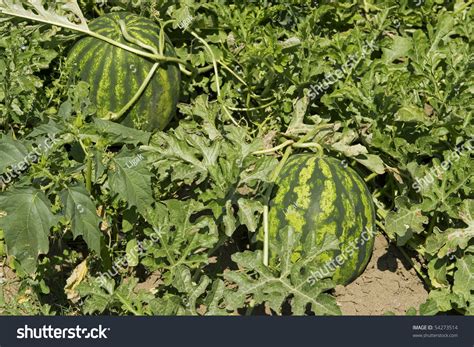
[356, 195]
[95, 69]
[82, 51]
[102, 79]
[341, 195]
[112, 75]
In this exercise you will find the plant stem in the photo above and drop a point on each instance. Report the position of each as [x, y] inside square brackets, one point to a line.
[265, 235]
[117, 116]
[89, 174]
[313, 132]
[252, 108]
[282, 162]
[216, 71]
[128, 305]
[130, 38]
[416, 267]
[276, 148]
[308, 145]
[156, 57]
[463, 7]
[371, 176]
[214, 62]
[252, 94]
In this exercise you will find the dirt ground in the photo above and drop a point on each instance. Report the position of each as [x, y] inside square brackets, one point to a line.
[8, 282]
[388, 284]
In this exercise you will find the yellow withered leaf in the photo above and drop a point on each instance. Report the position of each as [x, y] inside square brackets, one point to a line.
[74, 280]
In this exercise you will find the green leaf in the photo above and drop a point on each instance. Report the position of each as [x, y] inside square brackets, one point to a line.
[102, 294]
[51, 15]
[185, 233]
[438, 301]
[249, 213]
[117, 133]
[429, 308]
[399, 48]
[26, 218]
[259, 172]
[437, 273]
[215, 299]
[441, 243]
[81, 211]
[372, 162]
[132, 252]
[412, 113]
[96, 298]
[230, 224]
[406, 221]
[190, 290]
[464, 278]
[130, 178]
[11, 152]
[288, 283]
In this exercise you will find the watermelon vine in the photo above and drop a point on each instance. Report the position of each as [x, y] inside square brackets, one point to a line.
[236, 158]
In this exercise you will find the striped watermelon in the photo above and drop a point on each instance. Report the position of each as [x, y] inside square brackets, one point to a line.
[318, 196]
[115, 74]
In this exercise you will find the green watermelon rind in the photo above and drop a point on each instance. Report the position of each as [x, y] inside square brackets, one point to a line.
[318, 195]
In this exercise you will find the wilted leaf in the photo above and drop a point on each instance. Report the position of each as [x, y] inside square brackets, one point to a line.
[77, 276]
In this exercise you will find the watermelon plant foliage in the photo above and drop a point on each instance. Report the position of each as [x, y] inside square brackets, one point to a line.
[100, 218]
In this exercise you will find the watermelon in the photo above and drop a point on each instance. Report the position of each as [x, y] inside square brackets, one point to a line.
[115, 74]
[318, 196]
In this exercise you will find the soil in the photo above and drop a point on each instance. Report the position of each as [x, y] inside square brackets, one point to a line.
[8, 282]
[388, 284]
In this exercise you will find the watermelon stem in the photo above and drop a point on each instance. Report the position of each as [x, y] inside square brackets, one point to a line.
[282, 162]
[162, 36]
[265, 235]
[310, 134]
[161, 47]
[318, 147]
[371, 176]
[252, 94]
[214, 62]
[156, 57]
[117, 116]
[298, 144]
[276, 148]
[216, 71]
[88, 172]
[244, 109]
[134, 40]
